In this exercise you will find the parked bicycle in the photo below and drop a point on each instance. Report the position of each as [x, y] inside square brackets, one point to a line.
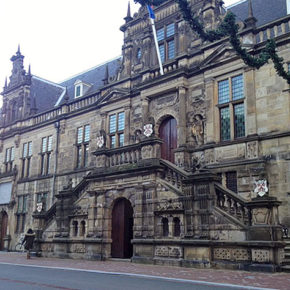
[20, 246]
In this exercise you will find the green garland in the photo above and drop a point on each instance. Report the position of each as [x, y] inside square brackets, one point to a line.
[228, 28]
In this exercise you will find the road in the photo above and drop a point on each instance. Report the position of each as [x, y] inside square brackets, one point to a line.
[16, 277]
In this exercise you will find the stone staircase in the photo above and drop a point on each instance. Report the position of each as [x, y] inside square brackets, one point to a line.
[286, 263]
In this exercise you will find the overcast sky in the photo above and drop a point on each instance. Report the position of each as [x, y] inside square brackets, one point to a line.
[61, 38]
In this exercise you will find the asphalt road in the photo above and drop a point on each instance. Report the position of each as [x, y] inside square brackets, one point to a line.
[16, 277]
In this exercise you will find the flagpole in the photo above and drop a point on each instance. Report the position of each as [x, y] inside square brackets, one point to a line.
[157, 46]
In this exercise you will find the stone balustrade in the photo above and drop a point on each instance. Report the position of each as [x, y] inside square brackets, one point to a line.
[273, 29]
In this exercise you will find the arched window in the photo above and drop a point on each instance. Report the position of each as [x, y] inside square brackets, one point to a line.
[176, 227]
[83, 228]
[75, 228]
[165, 228]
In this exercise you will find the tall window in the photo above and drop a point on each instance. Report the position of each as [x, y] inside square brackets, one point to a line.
[116, 130]
[21, 213]
[26, 157]
[83, 138]
[42, 198]
[165, 227]
[46, 149]
[231, 106]
[165, 37]
[9, 158]
[231, 181]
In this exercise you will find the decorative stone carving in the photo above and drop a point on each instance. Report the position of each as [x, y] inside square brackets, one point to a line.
[148, 130]
[170, 205]
[261, 187]
[197, 129]
[168, 252]
[261, 215]
[78, 248]
[100, 141]
[147, 152]
[261, 256]
[252, 150]
[232, 254]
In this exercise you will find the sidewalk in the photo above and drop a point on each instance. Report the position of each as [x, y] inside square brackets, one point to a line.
[242, 278]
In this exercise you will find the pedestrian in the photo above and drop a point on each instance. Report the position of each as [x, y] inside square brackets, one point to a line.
[28, 240]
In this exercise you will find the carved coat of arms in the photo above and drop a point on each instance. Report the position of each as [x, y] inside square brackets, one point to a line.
[39, 206]
[261, 187]
[100, 141]
[148, 130]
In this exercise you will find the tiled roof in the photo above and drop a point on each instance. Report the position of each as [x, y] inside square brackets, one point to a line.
[93, 76]
[45, 93]
[264, 11]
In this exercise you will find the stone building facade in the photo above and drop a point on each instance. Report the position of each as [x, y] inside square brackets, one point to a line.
[123, 162]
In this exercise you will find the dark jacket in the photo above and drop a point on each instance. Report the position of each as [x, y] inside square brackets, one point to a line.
[28, 240]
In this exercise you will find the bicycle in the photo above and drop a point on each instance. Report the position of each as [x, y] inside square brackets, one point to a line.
[19, 247]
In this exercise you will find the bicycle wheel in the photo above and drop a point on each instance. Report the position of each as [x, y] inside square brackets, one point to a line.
[19, 247]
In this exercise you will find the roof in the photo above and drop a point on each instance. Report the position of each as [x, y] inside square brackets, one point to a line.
[93, 76]
[44, 93]
[264, 11]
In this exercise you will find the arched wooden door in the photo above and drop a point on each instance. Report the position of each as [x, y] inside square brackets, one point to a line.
[122, 229]
[168, 133]
[4, 223]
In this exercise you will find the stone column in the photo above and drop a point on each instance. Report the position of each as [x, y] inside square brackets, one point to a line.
[127, 125]
[250, 104]
[212, 114]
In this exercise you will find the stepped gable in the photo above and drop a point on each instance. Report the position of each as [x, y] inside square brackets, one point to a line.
[45, 93]
[265, 11]
[93, 77]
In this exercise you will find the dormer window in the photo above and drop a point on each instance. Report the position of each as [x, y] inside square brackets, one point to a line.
[81, 88]
[78, 91]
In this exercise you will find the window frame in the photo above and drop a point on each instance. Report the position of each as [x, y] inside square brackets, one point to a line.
[45, 155]
[26, 159]
[21, 213]
[9, 158]
[165, 42]
[231, 103]
[118, 135]
[82, 146]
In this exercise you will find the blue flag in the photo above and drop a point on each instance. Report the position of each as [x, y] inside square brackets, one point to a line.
[151, 13]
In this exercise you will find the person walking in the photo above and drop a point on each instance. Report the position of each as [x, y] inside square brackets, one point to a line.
[28, 240]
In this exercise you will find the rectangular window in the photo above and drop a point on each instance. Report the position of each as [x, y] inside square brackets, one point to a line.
[166, 41]
[160, 34]
[26, 157]
[78, 91]
[9, 158]
[46, 148]
[21, 213]
[224, 96]
[231, 106]
[225, 124]
[231, 181]
[83, 138]
[116, 129]
[239, 120]
[237, 87]
[162, 52]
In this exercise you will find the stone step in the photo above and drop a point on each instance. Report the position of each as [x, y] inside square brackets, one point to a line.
[286, 268]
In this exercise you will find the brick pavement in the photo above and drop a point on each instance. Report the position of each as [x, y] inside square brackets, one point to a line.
[254, 279]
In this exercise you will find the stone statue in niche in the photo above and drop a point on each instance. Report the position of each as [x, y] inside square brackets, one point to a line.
[197, 129]
[137, 135]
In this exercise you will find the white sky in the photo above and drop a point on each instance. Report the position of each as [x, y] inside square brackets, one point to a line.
[61, 38]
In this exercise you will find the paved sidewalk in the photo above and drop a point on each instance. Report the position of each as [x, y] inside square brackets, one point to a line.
[243, 278]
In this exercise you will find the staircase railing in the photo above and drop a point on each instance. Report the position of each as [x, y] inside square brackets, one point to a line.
[233, 204]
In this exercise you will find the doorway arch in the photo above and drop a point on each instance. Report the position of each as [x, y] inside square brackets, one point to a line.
[122, 229]
[4, 224]
[168, 133]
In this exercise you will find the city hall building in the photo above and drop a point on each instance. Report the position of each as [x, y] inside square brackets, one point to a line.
[188, 168]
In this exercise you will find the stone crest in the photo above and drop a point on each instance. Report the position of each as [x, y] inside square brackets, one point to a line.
[100, 141]
[148, 130]
[39, 206]
[261, 187]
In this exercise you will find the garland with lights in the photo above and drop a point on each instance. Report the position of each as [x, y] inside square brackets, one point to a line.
[228, 28]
